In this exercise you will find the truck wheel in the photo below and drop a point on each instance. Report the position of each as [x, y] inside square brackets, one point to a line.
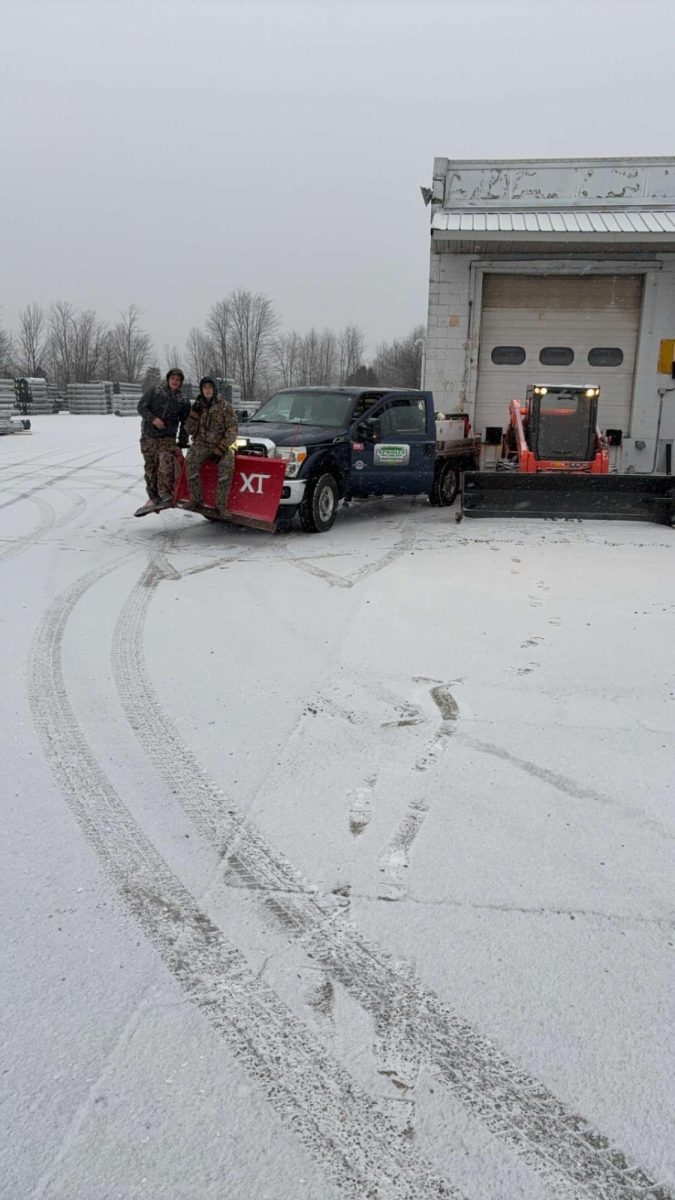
[319, 507]
[446, 486]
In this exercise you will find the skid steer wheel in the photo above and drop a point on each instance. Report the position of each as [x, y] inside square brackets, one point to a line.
[319, 507]
[446, 486]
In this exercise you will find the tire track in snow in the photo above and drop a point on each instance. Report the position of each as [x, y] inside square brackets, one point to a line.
[46, 521]
[40, 487]
[47, 524]
[21, 463]
[569, 786]
[405, 543]
[565, 784]
[345, 1130]
[558, 1144]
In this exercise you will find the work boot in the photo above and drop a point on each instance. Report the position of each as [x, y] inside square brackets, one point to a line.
[191, 505]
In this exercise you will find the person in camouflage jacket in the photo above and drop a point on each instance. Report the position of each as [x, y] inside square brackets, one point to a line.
[163, 411]
[212, 425]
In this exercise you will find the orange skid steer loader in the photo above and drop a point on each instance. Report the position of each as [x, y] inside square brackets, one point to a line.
[556, 464]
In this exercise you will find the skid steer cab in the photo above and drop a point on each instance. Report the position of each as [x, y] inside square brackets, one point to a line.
[557, 430]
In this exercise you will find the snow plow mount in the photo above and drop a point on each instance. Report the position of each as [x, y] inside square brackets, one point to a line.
[569, 496]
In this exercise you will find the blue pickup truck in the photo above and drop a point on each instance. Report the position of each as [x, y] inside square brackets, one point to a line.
[344, 443]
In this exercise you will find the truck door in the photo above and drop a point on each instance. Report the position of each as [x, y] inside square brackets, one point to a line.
[392, 451]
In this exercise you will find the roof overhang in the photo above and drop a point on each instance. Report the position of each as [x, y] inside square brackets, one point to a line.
[648, 226]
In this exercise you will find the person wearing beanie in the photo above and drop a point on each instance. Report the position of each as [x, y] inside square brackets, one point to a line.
[212, 424]
[163, 410]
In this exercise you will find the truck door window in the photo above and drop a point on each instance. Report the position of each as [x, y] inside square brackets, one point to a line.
[362, 405]
[401, 417]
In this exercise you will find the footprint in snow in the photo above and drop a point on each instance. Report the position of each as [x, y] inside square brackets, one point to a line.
[445, 703]
[360, 808]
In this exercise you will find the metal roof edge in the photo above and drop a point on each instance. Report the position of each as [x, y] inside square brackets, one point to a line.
[530, 235]
[668, 161]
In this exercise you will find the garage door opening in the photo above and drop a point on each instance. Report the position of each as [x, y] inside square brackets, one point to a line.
[558, 329]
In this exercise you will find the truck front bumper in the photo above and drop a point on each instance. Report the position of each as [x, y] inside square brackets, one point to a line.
[293, 492]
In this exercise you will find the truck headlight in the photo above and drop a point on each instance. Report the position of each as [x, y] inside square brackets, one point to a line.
[294, 456]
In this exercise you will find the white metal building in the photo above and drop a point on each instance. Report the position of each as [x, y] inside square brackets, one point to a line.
[546, 271]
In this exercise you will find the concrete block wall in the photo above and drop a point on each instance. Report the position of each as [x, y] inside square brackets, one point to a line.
[652, 390]
[447, 330]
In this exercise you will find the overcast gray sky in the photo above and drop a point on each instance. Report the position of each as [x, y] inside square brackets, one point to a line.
[163, 153]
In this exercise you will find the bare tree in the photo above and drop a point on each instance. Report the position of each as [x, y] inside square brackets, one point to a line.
[351, 347]
[220, 329]
[317, 358]
[398, 363]
[307, 360]
[313, 358]
[76, 344]
[60, 342]
[201, 354]
[7, 364]
[32, 340]
[173, 356]
[328, 357]
[254, 323]
[89, 339]
[284, 351]
[109, 363]
[132, 344]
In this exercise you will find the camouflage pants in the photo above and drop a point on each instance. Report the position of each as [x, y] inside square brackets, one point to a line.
[196, 456]
[162, 464]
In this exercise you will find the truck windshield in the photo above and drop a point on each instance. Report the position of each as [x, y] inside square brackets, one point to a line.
[328, 410]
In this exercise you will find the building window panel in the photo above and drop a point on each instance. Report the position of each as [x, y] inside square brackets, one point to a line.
[508, 356]
[556, 356]
[605, 356]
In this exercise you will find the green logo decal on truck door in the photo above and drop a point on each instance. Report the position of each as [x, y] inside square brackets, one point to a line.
[389, 455]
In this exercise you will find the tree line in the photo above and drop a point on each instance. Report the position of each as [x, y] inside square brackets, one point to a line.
[241, 340]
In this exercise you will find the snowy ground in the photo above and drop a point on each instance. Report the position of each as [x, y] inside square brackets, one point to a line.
[332, 866]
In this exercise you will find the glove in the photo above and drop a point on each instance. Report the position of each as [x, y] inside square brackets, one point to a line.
[198, 405]
[214, 456]
[183, 439]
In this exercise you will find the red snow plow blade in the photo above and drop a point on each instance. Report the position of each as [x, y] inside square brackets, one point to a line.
[254, 496]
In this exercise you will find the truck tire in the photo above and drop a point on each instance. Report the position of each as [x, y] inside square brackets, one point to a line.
[446, 486]
[319, 507]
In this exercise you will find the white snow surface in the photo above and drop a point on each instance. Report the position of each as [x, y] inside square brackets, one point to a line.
[332, 866]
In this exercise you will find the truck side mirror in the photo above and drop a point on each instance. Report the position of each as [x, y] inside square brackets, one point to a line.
[369, 430]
